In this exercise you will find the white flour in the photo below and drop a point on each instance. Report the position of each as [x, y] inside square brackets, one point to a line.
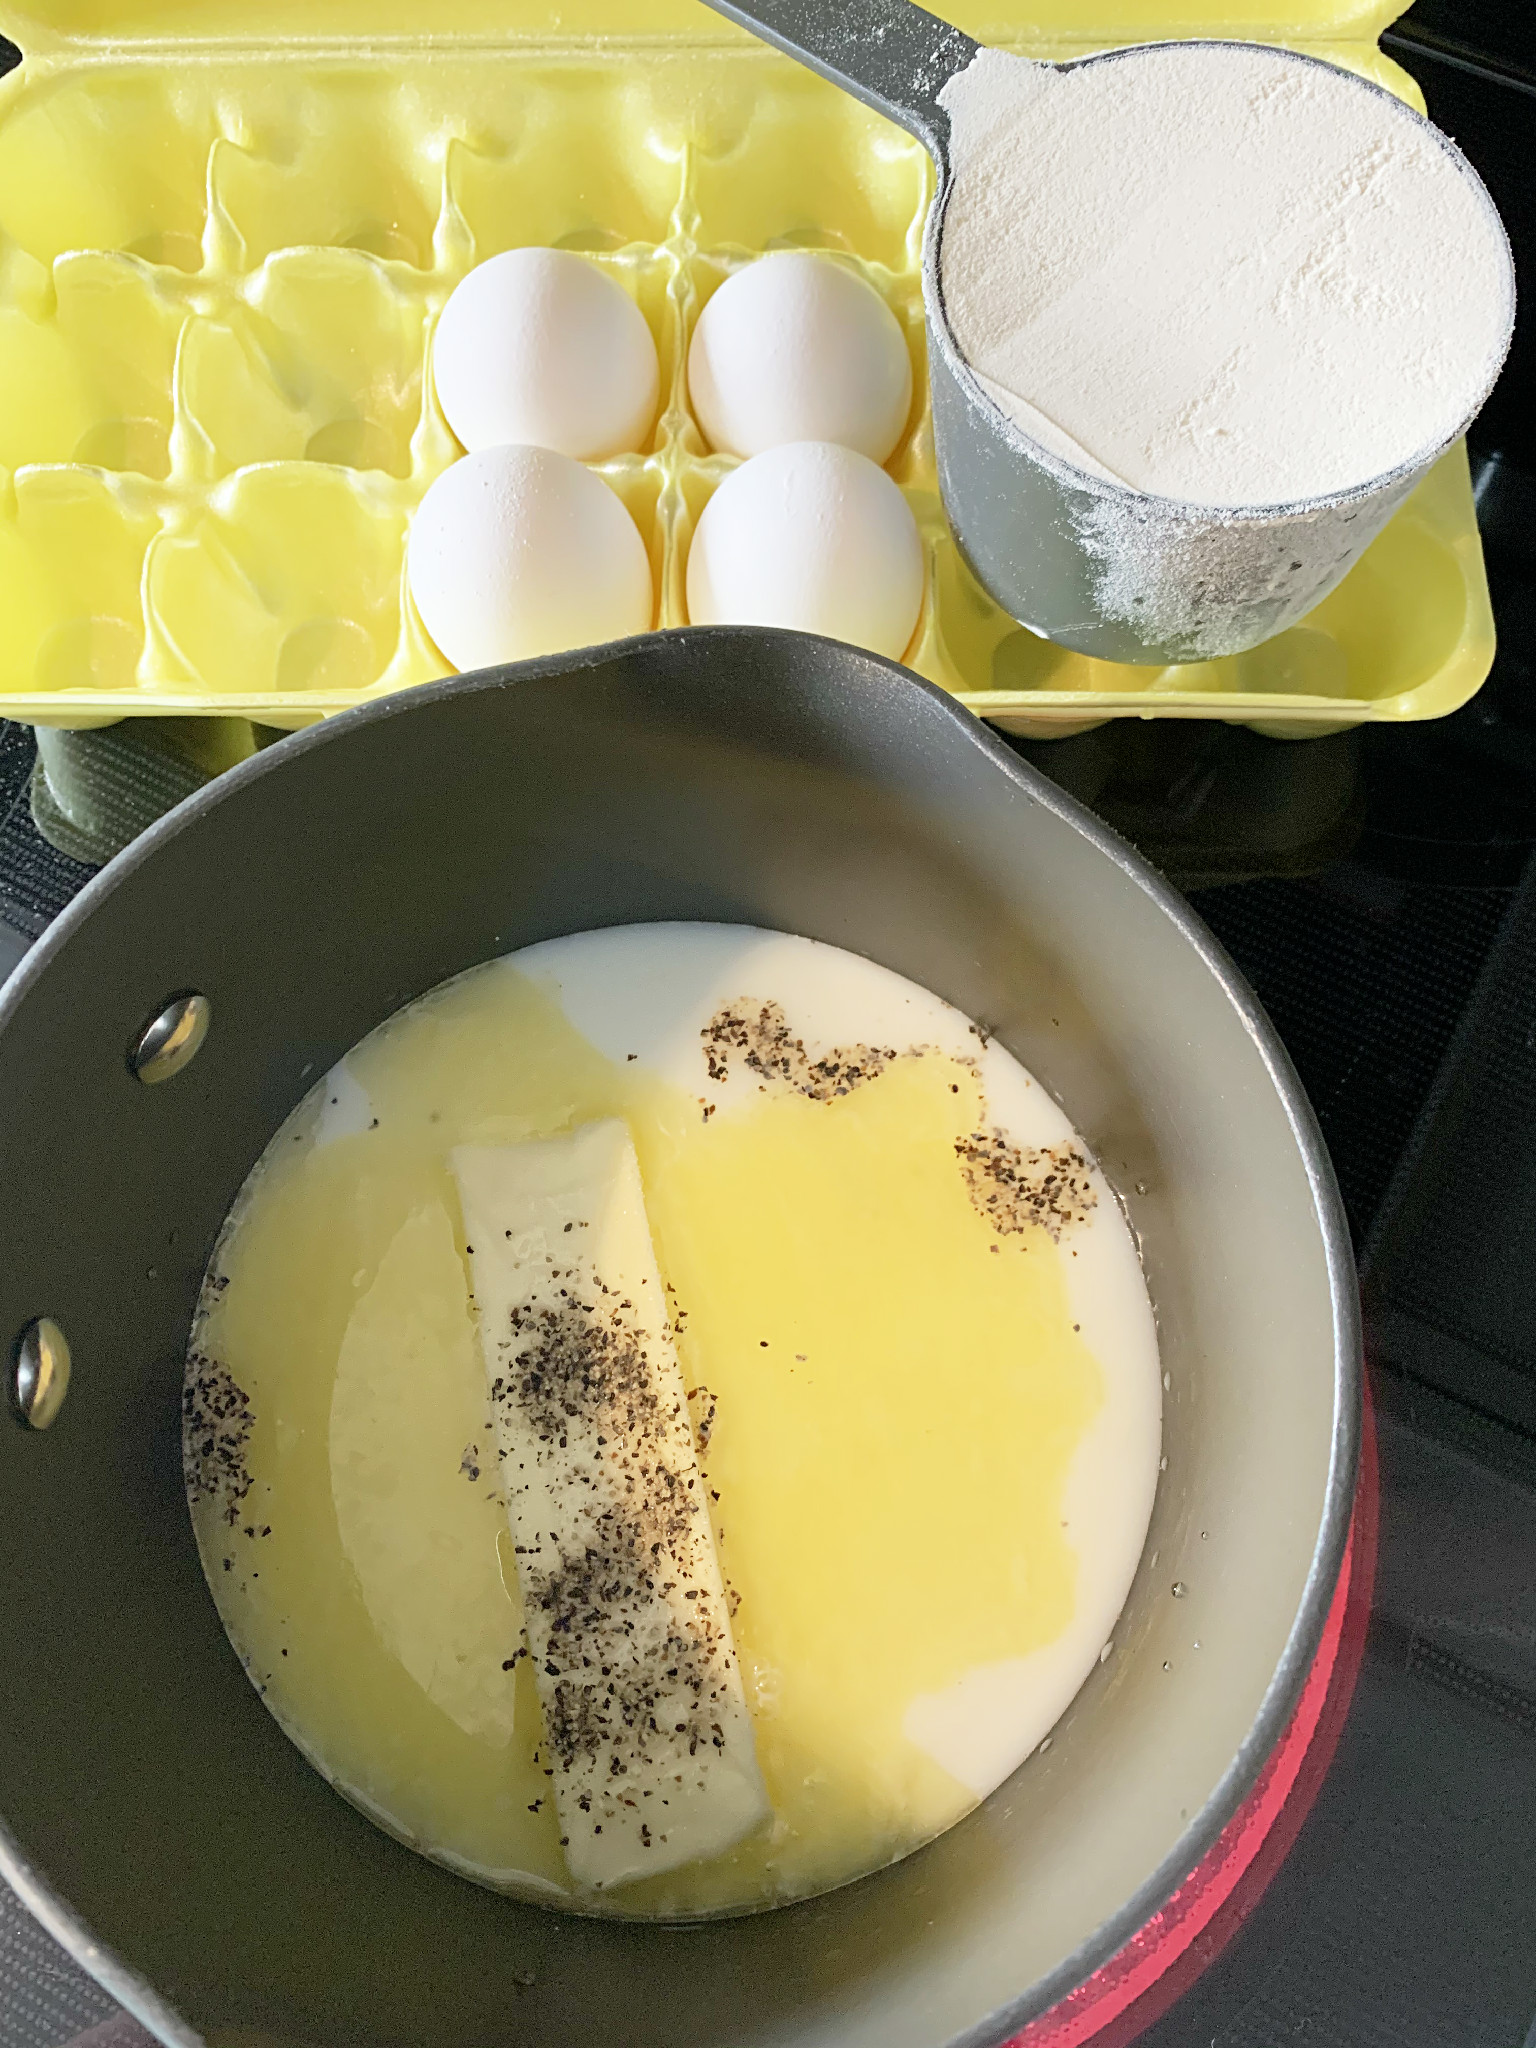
[1217, 275]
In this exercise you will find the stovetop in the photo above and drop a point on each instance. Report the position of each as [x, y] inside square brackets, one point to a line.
[1379, 890]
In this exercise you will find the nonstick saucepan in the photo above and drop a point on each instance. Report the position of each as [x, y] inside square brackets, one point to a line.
[156, 1819]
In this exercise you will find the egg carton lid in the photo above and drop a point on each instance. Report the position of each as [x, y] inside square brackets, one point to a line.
[43, 26]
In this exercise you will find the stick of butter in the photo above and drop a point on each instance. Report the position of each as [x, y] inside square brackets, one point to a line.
[646, 1727]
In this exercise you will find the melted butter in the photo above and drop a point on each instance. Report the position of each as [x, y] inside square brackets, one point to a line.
[898, 1395]
[897, 1406]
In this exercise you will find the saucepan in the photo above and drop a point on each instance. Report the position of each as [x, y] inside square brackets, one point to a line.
[156, 1819]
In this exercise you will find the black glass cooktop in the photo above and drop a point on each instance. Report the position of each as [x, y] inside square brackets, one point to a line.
[1379, 890]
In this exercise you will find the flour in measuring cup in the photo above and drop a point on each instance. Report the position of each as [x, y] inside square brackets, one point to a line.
[1217, 274]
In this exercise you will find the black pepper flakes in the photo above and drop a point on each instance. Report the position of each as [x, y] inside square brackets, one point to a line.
[705, 1427]
[625, 1647]
[217, 1420]
[1017, 1187]
[758, 1034]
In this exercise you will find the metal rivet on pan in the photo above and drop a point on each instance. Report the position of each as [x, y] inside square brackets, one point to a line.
[171, 1039]
[40, 1373]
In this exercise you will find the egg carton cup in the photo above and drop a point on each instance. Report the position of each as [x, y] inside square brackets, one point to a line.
[220, 271]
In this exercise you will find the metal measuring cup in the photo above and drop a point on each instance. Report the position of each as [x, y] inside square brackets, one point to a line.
[1095, 565]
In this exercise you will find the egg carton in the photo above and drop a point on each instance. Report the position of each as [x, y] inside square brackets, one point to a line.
[220, 269]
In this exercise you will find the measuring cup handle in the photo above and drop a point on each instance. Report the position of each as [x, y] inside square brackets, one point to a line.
[894, 56]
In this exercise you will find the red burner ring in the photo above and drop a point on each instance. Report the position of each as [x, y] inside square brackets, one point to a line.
[1161, 1961]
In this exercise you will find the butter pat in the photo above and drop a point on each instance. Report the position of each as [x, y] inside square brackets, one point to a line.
[647, 1734]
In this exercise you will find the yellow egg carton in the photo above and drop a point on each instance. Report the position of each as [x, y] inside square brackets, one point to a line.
[226, 233]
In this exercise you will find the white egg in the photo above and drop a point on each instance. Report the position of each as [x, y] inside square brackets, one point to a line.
[813, 536]
[539, 346]
[519, 551]
[799, 348]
